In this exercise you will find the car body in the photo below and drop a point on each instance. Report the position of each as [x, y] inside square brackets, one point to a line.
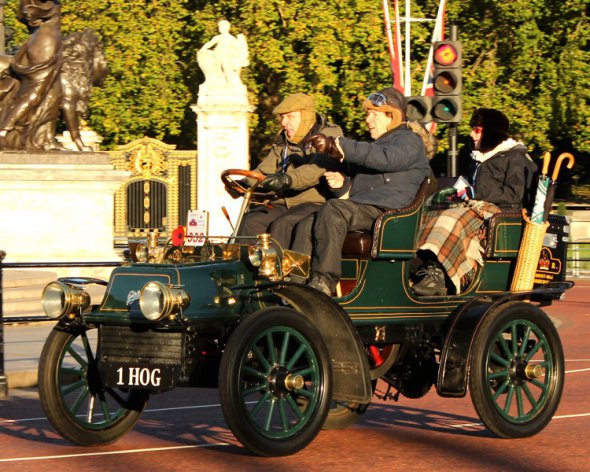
[289, 360]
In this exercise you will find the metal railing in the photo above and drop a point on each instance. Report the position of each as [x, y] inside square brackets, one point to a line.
[576, 248]
[27, 319]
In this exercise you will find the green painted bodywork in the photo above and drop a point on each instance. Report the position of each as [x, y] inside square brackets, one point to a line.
[380, 282]
[209, 285]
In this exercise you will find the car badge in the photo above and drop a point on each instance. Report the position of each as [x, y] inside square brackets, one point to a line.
[132, 296]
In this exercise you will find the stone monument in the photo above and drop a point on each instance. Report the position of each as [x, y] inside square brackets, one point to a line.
[55, 206]
[222, 124]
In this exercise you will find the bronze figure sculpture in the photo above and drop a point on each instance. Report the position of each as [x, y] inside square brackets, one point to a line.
[30, 91]
[47, 74]
[84, 66]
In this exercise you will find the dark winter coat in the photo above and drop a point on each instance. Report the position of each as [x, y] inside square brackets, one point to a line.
[388, 171]
[506, 179]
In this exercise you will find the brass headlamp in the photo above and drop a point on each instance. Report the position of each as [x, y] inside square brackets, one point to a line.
[265, 257]
[158, 301]
[60, 299]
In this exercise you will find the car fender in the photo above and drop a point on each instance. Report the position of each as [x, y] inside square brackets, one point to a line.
[351, 376]
[457, 348]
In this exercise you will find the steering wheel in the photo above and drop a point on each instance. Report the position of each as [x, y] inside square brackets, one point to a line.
[227, 177]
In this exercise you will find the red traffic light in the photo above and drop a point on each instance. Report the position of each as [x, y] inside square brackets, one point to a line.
[447, 82]
[446, 54]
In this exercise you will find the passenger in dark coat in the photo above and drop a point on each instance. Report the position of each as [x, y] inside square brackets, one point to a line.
[382, 174]
[502, 178]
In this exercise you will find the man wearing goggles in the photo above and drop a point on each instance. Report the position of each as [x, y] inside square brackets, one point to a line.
[383, 174]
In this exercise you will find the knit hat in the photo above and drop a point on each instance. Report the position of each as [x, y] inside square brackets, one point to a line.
[298, 102]
[495, 127]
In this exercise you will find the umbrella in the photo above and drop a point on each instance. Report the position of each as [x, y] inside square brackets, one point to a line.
[535, 227]
[551, 188]
[538, 213]
[546, 187]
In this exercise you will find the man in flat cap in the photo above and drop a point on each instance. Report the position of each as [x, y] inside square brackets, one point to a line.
[293, 172]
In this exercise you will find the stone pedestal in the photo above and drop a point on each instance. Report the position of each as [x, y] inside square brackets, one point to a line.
[57, 207]
[89, 137]
[223, 136]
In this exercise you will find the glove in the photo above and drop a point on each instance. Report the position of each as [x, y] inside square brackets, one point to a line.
[466, 193]
[324, 145]
[444, 196]
[277, 182]
[234, 193]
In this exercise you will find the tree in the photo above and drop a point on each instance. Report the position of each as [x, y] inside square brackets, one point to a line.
[335, 51]
[529, 58]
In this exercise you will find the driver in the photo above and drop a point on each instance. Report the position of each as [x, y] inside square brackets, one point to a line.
[293, 172]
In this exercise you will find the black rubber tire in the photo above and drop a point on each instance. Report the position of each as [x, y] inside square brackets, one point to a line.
[512, 404]
[68, 379]
[261, 353]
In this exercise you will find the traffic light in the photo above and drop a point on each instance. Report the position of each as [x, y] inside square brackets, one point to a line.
[447, 82]
[418, 109]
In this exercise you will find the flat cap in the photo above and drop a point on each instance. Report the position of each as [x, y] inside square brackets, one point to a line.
[295, 102]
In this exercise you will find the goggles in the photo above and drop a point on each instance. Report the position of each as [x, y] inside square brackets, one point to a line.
[377, 99]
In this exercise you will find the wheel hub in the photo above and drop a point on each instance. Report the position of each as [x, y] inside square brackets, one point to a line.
[521, 371]
[282, 382]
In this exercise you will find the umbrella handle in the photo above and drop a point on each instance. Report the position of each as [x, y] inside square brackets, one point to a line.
[546, 160]
[570, 164]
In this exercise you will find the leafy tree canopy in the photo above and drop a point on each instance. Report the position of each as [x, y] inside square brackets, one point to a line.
[527, 57]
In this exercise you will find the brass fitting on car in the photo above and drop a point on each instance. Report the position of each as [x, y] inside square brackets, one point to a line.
[265, 257]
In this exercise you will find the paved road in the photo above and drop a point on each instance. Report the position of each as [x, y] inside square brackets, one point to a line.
[184, 429]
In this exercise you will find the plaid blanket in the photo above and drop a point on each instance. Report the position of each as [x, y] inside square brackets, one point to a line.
[453, 235]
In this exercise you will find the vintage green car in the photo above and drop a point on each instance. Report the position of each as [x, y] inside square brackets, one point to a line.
[289, 360]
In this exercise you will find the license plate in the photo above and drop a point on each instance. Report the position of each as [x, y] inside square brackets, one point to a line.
[152, 377]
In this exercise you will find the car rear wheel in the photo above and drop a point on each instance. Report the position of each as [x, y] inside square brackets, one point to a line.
[517, 370]
[73, 398]
[275, 382]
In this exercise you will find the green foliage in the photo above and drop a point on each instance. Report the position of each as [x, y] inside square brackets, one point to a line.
[527, 57]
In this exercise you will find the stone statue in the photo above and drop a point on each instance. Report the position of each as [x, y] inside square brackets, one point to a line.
[30, 90]
[84, 65]
[222, 58]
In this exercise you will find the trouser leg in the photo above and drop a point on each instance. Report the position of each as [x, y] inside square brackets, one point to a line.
[258, 220]
[282, 228]
[334, 220]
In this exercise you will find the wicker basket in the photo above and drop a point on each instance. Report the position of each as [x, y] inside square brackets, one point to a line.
[528, 255]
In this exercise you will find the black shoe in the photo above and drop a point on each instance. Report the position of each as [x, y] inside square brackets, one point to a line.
[433, 282]
[319, 283]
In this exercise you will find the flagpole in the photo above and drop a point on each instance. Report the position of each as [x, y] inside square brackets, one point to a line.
[390, 46]
[398, 47]
[408, 83]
